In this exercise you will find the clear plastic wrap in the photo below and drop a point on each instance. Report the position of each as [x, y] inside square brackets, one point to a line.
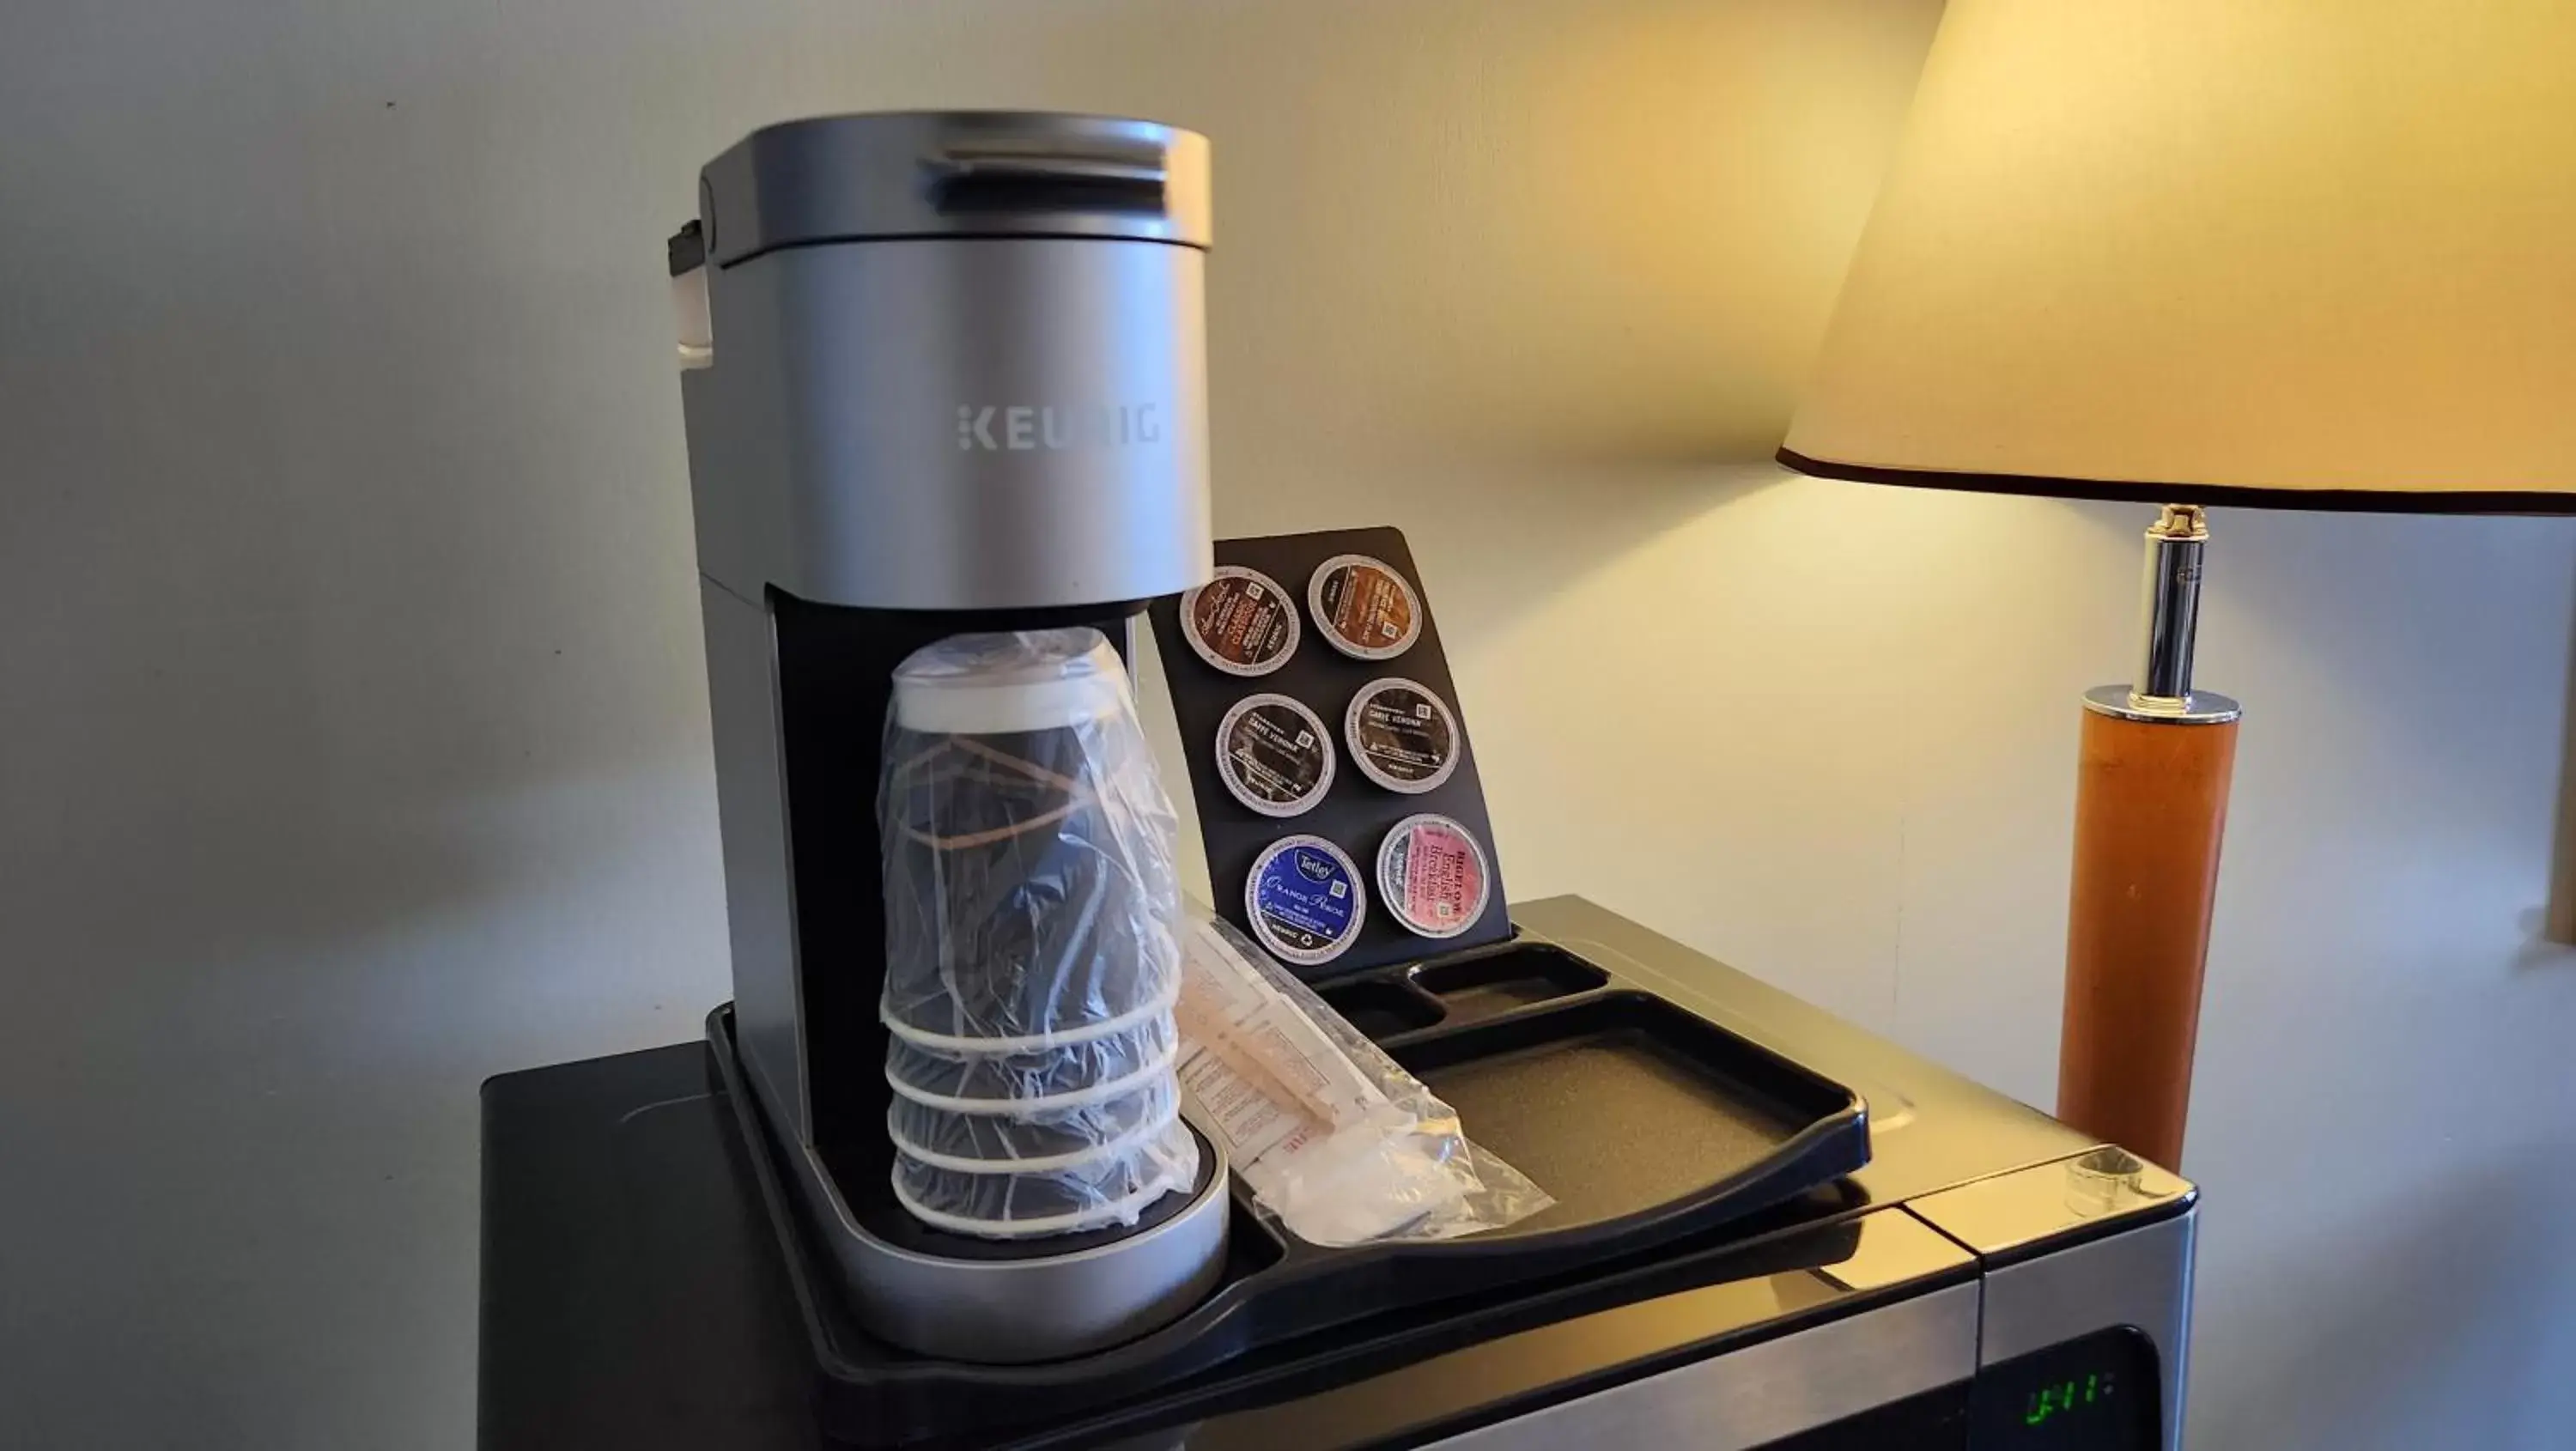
[1333, 1136]
[1029, 883]
[1103, 1189]
[1031, 960]
[933, 1133]
[1147, 1045]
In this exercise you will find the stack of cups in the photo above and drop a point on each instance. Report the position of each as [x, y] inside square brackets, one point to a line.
[1031, 957]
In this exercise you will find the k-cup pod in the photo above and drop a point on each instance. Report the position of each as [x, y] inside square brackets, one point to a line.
[1274, 755]
[1304, 901]
[1402, 735]
[1364, 608]
[1432, 876]
[1241, 622]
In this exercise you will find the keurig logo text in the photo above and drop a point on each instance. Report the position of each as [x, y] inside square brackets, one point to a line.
[1022, 427]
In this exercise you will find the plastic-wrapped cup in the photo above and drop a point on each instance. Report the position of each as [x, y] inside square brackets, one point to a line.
[1028, 878]
[1034, 936]
[1113, 1188]
[1041, 1137]
[1027, 1078]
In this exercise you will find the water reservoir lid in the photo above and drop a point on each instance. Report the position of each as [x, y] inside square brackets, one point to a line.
[915, 174]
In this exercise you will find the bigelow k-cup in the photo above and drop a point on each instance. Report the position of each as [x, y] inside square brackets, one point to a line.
[1432, 876]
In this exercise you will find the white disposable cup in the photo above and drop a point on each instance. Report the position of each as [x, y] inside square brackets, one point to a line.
[1089, 1194]
[941, 1135]
[1007, 1072]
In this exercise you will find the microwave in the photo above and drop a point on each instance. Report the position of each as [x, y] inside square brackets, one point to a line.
[1991, 1280]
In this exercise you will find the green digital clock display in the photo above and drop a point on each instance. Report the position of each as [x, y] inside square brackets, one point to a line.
[2068, 1397]
[2093, 1393]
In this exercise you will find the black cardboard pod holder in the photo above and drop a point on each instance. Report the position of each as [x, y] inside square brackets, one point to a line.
[1355, 813]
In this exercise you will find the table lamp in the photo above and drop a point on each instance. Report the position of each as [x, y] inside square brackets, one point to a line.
[2301, 254]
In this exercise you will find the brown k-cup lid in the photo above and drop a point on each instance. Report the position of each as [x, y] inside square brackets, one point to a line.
[1274, 754]
[1241, 622]
[1402, 736]
[1365, 609]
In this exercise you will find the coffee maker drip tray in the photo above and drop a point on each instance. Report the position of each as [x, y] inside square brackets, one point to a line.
[1650, 1124]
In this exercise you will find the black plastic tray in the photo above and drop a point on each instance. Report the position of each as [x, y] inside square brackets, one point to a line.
[1646, 1121]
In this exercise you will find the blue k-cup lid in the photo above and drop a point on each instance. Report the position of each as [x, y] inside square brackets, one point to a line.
[1304, 900]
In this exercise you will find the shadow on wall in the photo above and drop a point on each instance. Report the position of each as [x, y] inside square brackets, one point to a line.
[352, 744]
[2423, 1320]
[2344, 608]
[310, 619]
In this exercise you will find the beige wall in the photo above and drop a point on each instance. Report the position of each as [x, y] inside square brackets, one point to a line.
[353, 745]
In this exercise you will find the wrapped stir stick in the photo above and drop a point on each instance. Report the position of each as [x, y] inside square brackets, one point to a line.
[1335, 1139]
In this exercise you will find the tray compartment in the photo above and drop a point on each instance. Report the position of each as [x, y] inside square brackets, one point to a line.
[1490, 984]
[1384, 1007]
[1618, 1104]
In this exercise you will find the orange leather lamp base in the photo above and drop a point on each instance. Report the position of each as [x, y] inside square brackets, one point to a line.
[2150, 811]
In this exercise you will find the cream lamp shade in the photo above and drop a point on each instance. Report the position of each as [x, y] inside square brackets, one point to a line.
[2301, 253]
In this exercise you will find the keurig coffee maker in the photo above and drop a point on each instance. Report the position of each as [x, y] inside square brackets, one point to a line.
[951, 382]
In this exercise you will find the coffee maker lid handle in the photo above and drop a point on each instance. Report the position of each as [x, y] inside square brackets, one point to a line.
[916, 174]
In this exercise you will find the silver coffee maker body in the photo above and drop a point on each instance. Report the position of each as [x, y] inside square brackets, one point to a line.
[955, 381]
